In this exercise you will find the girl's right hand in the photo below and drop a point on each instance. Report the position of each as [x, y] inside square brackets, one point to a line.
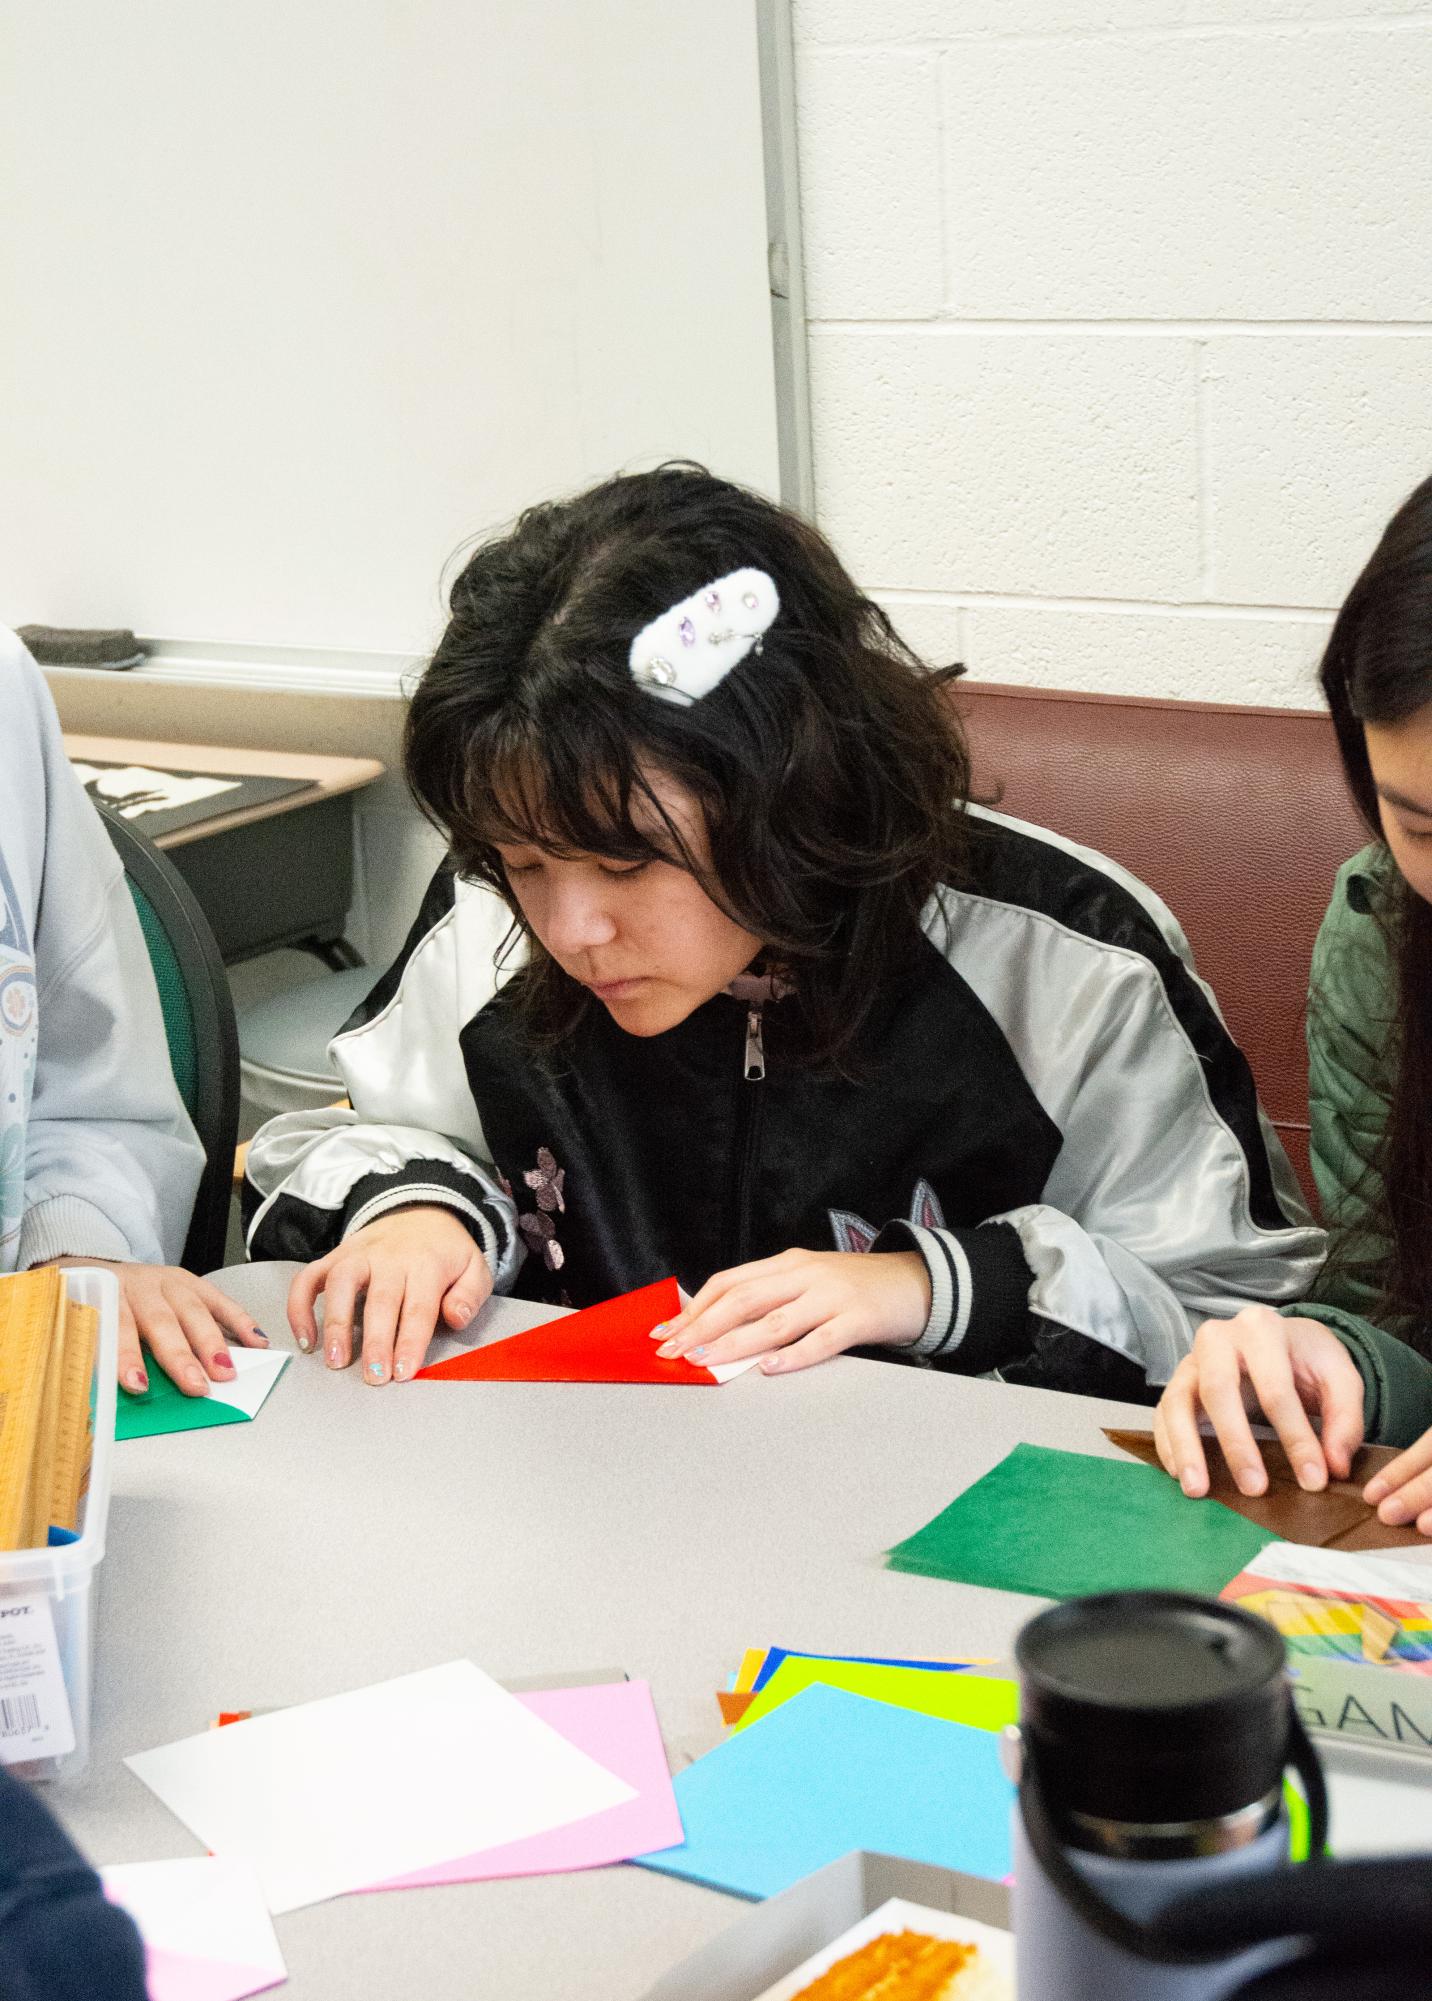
[412, 1269]
[1290, 1369]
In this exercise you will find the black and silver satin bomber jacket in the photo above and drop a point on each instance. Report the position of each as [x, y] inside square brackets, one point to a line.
[1050, 1110]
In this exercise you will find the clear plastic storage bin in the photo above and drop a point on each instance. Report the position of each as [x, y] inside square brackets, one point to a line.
[66, 1574]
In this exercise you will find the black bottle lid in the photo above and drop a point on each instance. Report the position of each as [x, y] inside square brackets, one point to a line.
[1153, 1707]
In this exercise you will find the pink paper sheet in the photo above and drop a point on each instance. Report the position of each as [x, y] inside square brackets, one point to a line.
[616, 1724]
[177, 1976]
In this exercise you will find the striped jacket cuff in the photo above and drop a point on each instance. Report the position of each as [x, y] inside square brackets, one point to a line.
[979, 1293]
[425, 1182]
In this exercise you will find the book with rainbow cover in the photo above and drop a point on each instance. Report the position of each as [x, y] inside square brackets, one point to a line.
[1358, 1629]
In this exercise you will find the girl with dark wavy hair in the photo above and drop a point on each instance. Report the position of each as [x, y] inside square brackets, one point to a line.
[1358, 1357]
[725, 977]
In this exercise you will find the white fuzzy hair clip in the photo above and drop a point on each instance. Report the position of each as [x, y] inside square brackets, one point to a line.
[685, 653]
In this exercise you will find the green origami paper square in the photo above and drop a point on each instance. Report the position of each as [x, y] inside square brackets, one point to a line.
[163, 1408]
[1065, 1525]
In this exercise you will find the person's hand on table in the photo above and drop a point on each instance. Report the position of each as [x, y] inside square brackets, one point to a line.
[1291, 1371]
[185, 1322]
[414, 1270]
[802, 1307]
[1402, 1492]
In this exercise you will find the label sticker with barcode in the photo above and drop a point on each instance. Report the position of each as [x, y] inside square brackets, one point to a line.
[35, 1720]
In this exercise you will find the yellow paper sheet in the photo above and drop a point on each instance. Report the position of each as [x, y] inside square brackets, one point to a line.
[746, 1673]
[982, 1701]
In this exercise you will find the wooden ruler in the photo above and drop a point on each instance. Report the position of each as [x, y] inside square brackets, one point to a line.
[74, 1427]
[36, 1530]
[32, 1308]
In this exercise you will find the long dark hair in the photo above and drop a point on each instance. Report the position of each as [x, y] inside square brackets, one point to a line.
[1378, 669]
[830, 771]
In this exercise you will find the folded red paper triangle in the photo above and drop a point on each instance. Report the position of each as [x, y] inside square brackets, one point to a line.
[610, 1343]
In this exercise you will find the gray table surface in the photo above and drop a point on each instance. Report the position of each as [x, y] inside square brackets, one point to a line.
[352, 1534]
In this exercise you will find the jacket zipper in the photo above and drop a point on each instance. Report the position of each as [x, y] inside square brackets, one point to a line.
[748, 1111]
[755, 1045]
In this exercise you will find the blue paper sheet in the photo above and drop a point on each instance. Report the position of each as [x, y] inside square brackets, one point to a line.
[775, 1655]
[827, 1772]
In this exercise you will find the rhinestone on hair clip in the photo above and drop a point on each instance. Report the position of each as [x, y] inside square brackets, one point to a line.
[685, 653]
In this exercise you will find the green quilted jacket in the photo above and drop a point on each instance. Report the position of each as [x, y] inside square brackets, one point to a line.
[1350, 1013]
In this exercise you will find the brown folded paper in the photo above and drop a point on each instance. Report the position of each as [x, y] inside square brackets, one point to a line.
[1337, 1518]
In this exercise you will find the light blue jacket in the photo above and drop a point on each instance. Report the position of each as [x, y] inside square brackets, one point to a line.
[97, 1155]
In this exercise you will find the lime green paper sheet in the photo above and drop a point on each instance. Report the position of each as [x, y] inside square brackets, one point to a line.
[1064, 1525]
[978, 1700]
[164, 1408]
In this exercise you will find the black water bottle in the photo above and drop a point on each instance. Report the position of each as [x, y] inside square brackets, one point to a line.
[1155, 1730]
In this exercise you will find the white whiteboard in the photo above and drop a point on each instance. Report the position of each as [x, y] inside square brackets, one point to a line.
[300, 294]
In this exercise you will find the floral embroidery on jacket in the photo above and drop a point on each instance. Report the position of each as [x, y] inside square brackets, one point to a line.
[546, 1180]
[539, 1232]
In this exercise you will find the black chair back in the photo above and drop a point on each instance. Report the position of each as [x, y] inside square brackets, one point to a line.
[198, 1022]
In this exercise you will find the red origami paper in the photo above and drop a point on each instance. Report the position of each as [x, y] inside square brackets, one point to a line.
[610, 1343]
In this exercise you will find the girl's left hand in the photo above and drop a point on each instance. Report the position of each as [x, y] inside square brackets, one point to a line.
[805, 1306]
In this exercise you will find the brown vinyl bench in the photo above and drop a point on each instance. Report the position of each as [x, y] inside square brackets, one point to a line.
[1238, 817]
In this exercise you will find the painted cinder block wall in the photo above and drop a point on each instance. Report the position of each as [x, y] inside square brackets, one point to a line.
[1120, 323]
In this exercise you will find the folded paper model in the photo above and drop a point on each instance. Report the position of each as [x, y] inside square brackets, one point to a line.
[1336, 1518]
[610, 1343]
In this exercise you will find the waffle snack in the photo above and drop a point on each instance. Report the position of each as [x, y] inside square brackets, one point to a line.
[910, 1966]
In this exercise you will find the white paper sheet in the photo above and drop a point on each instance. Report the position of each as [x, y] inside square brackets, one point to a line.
[336, 1794]
[996, 1950]
[1403, 1573]
[206, 1929]
[133, 789]
[256, 1370]
[724, 1371]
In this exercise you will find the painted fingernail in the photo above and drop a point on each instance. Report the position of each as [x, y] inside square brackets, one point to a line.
[1375, 1491]
[696, 1353]
[224, 1365]
[259, 1335]
[136, 1380]
[772, 1365]
[400, 1369]
[659, 1329]
[305, 1343]
[335, 1356]
[666, 1350]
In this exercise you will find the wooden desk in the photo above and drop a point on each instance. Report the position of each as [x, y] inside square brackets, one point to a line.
[261, 879]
